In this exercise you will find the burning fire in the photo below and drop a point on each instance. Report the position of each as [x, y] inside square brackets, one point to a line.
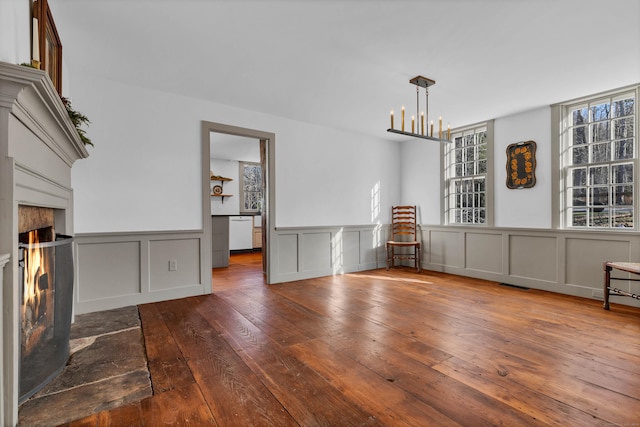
[35, 298]
[32, 271]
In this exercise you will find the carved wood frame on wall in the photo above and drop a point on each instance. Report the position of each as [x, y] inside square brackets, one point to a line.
[521, 165]
[49, 45]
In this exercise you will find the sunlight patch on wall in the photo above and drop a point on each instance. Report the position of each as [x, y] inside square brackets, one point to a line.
[375, 215]
[377, 236]
[375, 202]
[337, 259]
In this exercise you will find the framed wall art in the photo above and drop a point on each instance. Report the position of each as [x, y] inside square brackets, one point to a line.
[521, 165]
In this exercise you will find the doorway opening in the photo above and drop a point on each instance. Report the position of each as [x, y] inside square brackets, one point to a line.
[239, 196]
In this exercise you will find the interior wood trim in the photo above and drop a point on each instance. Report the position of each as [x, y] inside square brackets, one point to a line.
[268, 210]
[52, 63]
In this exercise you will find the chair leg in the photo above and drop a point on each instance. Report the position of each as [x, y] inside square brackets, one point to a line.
[387, 256]
[418, 258]
[607, 282]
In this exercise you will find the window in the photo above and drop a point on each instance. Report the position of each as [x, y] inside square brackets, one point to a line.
[467, 180]
[251, 194]
[599, 162]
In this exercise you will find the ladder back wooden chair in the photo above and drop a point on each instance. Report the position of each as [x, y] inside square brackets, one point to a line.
[404, 244]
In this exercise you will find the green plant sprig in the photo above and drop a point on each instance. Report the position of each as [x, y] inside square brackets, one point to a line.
[78, 119]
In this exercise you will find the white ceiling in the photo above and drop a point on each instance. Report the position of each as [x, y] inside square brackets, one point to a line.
[232, 147]
[345, 64]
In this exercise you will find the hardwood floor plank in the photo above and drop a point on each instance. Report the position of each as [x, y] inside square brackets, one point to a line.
[503, 387]
[536, 339]
[542, 365]
[305, 324]
[234, 394]
[346, 327]
[306, 395]
[379, 395]
[183, 407]
[167, 367]
[444, 393]
[124, 416]
[280, 321]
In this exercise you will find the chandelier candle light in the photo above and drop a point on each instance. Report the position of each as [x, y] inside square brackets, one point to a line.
[419, 82]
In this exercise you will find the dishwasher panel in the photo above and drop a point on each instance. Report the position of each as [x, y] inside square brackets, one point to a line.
[240, 232]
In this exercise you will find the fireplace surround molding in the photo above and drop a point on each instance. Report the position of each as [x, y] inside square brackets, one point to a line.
[38, 146]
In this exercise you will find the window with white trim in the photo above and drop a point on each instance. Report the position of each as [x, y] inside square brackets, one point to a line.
[599, 162]
[466, 179]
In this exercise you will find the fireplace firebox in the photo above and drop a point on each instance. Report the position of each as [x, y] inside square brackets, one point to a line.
[46, 275]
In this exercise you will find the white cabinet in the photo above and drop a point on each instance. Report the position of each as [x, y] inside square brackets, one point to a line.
[257, 232]
[240, 232]
[257, 237]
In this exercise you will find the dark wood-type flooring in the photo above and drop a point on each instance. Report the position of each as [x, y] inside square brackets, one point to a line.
[389, 348]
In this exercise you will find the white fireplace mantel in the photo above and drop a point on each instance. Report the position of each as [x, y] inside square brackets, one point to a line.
[38, 146]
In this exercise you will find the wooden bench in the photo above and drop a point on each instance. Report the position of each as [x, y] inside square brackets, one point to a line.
[629, 267]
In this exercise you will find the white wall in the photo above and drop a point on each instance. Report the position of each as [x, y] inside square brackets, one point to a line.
[329, 177]
[529, 207]
[420, 178]
[525, 208]
[144, 172]
[15, 37]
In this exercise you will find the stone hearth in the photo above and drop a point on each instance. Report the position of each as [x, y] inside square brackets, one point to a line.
[107, 369]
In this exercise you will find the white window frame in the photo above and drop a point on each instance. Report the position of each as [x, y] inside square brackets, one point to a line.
[448, 168]
[562, 164]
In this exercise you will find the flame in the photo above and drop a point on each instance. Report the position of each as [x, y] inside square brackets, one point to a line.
[34, 268]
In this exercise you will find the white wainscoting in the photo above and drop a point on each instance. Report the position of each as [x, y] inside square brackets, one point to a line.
[306, 252]
[115, 270]
[120, 269]
[567, 262]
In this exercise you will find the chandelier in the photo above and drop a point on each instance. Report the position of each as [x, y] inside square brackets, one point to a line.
[419, 130]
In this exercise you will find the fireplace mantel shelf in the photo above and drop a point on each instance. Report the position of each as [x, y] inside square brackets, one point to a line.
[31, 96]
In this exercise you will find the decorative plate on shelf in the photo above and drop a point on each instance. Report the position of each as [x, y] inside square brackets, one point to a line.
[217, 190]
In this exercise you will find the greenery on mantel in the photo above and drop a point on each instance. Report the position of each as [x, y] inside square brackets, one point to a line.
[77, 118]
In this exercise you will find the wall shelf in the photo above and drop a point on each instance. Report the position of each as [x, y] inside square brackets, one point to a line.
[221, 180]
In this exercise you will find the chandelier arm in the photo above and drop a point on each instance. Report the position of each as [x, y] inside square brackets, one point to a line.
[426, 99]
[417, 135]
[418, 106]
[424, 82]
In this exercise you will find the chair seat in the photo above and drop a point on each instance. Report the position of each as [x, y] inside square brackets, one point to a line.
[412, 243]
